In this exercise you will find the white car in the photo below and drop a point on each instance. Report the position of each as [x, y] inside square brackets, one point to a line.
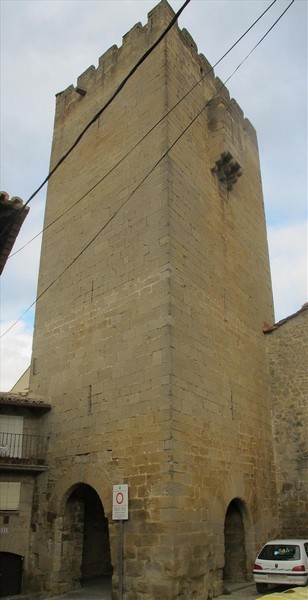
[282, 562]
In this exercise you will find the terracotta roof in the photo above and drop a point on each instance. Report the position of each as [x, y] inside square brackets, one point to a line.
[11, 219]
[9, 399]
[270, 328]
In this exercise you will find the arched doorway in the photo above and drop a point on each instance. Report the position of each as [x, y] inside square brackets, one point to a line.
[10, 574]
[85, 538]
[235, 552]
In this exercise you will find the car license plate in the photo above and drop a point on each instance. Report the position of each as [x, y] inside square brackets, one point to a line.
[274, 576]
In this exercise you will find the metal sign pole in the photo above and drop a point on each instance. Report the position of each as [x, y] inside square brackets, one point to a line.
[120, 513]
[121, 559]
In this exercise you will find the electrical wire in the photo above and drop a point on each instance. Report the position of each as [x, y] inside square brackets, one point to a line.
[100, 112]
[146, 134]
[148, 174]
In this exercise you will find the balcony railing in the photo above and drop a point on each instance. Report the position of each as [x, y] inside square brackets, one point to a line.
[23, 449]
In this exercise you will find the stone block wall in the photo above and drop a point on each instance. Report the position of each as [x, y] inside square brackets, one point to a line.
[220, 295]
[150, 345]
[287, 348]
[102, 342]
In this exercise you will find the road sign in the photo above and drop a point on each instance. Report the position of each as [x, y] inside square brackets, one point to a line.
[120, 502]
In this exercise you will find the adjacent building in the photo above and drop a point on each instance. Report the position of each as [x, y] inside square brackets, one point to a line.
[287, 347]
[23, 450]
[12, 215]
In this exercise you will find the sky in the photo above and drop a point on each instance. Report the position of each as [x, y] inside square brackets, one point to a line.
[47, 44]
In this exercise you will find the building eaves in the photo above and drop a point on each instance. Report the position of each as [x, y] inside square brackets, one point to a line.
[270, 328]
[23, 400]
[12, 215]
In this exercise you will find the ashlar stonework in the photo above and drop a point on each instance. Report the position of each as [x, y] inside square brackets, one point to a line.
[150, 346]
[287, 346]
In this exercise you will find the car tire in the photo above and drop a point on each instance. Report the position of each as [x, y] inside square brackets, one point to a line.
[262, 588]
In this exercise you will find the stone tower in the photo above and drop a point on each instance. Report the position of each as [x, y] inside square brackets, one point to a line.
[149, 347]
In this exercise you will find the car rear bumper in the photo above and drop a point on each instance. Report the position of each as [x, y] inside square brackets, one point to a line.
[281, 578]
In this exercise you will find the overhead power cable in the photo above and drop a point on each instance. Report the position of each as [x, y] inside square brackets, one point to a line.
[100, 112]
[148, 174]
[146, 134]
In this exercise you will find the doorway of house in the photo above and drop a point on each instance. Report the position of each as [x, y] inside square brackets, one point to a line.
[10, 574]
[85, 539]
[235, 552]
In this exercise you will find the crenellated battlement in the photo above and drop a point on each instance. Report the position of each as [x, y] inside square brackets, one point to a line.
[137, 40]
[134, 43]
[117, 61]
[189, 41]
[133, 34]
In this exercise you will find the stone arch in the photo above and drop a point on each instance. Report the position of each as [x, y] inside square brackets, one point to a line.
[84, 534]
[235, 542]
[233, 488]
[89, 474]
[80, 507]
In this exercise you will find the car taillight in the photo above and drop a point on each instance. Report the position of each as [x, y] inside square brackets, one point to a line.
[257, 567]
[299, 568]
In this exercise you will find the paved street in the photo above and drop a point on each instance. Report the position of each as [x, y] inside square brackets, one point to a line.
[101, 590]
[244, 591]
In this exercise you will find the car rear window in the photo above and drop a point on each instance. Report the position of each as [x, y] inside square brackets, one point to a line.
[280, 552]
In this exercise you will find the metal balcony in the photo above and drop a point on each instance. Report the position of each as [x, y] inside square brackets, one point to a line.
[22, 451]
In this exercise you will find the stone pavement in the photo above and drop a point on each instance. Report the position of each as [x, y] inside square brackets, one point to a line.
[101, 590]
[94, 590]
[240, 591]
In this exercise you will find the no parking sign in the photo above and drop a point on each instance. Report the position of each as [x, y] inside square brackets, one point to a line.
[120, 502]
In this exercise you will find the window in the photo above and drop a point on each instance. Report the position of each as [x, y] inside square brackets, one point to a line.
[11, 428]
[9, 495]
[280, 552]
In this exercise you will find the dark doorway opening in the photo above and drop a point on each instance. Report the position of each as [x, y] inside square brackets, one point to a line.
[85, 538]
[10, 574]
[235, 552]
[96, 559]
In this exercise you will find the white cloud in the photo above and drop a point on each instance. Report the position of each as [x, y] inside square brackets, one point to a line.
[15, 351]
[288, 256]
[19, 279]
